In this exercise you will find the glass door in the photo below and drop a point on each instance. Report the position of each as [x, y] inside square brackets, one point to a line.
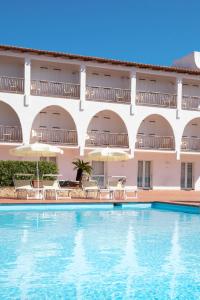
[140, 174]
[186, 175]
[98, 173]
[147, 174]
[144, 174]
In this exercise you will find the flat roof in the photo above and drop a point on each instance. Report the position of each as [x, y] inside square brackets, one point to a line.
[99, 60]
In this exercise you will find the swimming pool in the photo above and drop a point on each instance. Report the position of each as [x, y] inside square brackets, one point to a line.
[98, 252]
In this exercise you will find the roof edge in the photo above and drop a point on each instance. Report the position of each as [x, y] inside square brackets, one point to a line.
[100, 60]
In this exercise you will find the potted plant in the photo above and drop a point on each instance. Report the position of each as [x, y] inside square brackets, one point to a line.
[82, 167]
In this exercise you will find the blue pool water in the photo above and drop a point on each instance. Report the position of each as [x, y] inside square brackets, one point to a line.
[99, 252]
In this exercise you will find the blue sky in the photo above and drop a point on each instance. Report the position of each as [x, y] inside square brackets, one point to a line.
[143, 31]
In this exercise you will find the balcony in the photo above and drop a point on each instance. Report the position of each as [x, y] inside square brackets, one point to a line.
[10, 134]
[156, 99]
[11, 85]
[191, 103]
[55, 136]
[107, 139]
[190, 144]
[55, 89]
[108, 94]
[155, 142]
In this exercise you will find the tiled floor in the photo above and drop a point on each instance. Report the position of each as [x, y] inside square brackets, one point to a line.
[186, 197]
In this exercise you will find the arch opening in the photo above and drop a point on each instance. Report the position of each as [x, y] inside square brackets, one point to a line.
[191, 136]
[155, 133]
[54, 125]
[107, 129]
[10, 126]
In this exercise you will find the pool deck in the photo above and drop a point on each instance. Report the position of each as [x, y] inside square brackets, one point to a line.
[191, 198]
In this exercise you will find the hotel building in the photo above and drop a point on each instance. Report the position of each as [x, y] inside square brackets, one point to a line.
[80, 103]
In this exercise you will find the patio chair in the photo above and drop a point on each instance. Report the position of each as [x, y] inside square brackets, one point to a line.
[131, 192]
[24, 189]
[53, 187]
[90, 186]
[116, 187]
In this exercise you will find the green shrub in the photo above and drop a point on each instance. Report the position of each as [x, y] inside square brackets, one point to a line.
[8, 168]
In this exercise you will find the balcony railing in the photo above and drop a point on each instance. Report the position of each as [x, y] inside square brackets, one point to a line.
[10, 134]
[104, 139]
[108, 94]
[190, 144]
[55, 136]
[155, 142]
[11, 85]
[191, 103]
[55, 89]
[156, 99]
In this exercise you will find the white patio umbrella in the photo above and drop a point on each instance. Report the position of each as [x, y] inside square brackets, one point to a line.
[106, 155]
[36, 150]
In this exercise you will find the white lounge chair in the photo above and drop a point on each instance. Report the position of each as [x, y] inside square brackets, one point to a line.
[118, 188]
[53, 187]
[24, 189]
[131, 192]
[90, 186]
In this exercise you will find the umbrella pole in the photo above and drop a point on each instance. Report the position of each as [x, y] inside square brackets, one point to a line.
[37, 174]
[106, 174]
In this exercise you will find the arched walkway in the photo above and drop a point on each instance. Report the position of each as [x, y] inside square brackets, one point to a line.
[10, 126]
[155, 133]
[107, 129]
[54, 125]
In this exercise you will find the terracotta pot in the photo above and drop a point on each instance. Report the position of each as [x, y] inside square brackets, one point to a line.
[35, 183]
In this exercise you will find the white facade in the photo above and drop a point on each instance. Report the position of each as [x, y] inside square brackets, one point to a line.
[78, 104]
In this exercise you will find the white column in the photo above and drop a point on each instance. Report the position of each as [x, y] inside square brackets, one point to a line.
[27, 80]
[82, 86]
[178, 139]
[179, 88]
[133, 91]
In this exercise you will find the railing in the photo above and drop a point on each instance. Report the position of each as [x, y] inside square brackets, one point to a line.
[104, 139]
[156, 99]
[55, 136]
[55, 89]
[190, 144]
[155, 142]
[11, 84]
[10, 134]
[108, 94]
[191, 102]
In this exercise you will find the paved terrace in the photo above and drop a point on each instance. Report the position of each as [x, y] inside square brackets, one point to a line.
[176, 197]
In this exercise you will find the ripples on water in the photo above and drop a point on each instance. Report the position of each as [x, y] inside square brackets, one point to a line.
[99, 254]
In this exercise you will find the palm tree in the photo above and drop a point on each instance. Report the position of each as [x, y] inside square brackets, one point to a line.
[82, 167]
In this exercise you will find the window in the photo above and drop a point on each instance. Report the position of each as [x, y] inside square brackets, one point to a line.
[52, 159]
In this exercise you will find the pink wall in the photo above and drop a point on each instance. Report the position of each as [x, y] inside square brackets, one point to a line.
[165, 172]
[65, 163]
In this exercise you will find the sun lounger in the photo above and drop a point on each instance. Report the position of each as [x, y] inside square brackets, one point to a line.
[116, 189]
[119, 190]
[90, 186]
[53, 187]
[131, 192]
[24, 189]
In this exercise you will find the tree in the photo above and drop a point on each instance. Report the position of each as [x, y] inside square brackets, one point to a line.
[82, 167]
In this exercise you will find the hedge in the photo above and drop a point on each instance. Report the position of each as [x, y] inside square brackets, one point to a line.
[8, 168]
